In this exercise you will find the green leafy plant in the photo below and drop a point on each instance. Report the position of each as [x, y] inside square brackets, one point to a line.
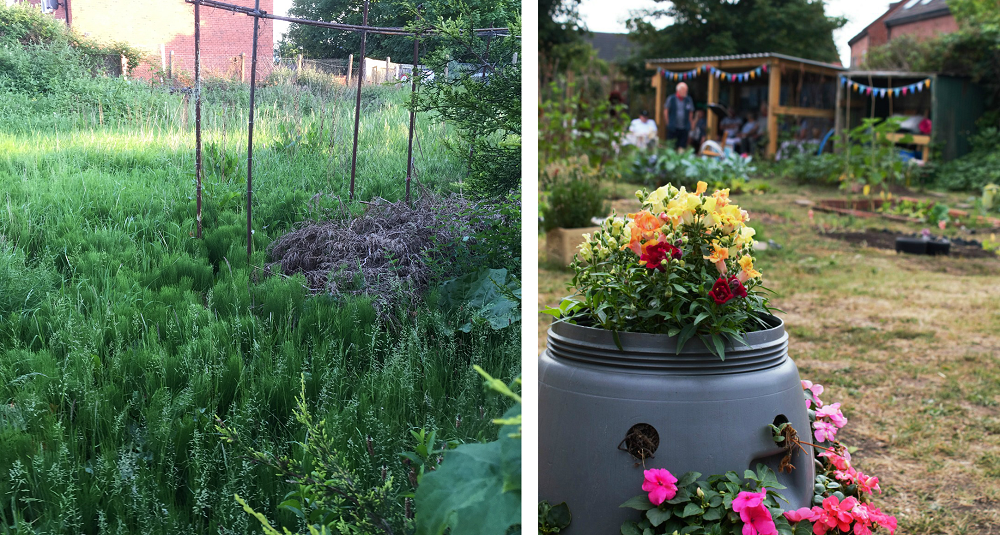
[490, 296]
[477, 487]
[667, 166]
[706, 507]
[574, 194]
[577, 126]
[872, 158]
[553, 518]
[809, 168]
[682, 266]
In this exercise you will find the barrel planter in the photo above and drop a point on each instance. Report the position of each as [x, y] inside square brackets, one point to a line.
[601, 406]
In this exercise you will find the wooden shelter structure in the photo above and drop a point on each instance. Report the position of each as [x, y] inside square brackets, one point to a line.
[952, 103]
[788, 86]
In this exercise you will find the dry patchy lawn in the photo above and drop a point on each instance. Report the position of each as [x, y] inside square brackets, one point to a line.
[909, 344]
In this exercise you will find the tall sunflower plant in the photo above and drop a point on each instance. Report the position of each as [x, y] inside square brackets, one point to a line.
[681, 266]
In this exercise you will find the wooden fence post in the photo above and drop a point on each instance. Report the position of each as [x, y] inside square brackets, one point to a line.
[385, 77]
[124, 67]
[350, 67]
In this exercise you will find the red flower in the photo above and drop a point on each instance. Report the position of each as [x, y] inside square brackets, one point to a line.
[721, 291]
[725, 289]
[656, 253]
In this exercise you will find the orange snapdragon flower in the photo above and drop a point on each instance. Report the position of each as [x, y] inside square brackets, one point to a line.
[645, 225]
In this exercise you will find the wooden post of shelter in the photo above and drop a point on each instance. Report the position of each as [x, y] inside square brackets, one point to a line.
[773, 101]
[837, 120]
[713, 98]
[350, 67]
[661, 129]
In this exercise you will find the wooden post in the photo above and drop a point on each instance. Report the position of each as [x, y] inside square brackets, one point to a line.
[385, 77]
[713, 98]
[124, 67]
[170, 66]
[243, 66]
[837, 121]
[514, 61]
[350, 67]
[661, 129]
[773, 101]
[357, 103]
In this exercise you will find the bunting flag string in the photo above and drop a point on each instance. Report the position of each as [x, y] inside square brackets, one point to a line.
[881, 92]
[752, 74]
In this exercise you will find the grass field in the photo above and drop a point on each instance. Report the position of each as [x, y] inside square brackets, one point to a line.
[123, 337]
[909, 344]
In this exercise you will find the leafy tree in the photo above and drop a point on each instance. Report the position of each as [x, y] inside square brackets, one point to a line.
[720, 27]
[326, 43]
[560, 33]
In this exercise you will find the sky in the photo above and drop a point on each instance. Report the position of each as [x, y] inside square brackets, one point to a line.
[609, 16]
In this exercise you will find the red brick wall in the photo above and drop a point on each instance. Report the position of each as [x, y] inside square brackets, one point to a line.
[925, 29]
[147, 24]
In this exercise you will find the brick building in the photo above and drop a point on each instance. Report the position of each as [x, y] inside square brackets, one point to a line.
[921, 19]
[159, 27]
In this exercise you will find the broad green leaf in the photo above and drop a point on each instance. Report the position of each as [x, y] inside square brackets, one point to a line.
[492, 294]
[639, 503]
[714, 513]
[658, 516]
[476, 490]
[688, 478]
[690, 509]
[803, 528]
[629, 528]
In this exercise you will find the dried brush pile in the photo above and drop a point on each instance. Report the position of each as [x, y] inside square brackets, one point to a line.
[392, 251]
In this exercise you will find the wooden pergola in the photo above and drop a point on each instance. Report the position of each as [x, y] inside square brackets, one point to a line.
[783, 77]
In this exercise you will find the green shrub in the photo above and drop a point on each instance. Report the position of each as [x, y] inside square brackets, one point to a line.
[823, 169]
[575, 195]
[972, 172]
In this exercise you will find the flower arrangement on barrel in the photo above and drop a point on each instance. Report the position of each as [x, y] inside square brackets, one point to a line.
[669, 334]
[752, 504]
[681, 266]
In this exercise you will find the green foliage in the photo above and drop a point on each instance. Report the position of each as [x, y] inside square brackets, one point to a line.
[705, 507]
[577, 125]
[809, 168]
[553, 518]
[559, 29]
[575, 195]
[122, 334]
[872, 158]
[327, 498]
[477, 487]
[798, 28]
[972, 172]
[491, 296]
[667, 166]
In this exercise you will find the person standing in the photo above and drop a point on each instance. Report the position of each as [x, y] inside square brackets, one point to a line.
[678, 114]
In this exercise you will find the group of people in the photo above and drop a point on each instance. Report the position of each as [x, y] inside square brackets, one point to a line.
[687, 126]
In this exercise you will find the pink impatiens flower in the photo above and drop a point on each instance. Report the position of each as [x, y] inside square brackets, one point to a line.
[824, 430]
[815, 390]
[756, 517]
[805, 513]
[832, 411]
[660, 484]
[866, 483]
[841, 461]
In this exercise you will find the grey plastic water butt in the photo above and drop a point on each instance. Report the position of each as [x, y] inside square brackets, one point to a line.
[709, 416]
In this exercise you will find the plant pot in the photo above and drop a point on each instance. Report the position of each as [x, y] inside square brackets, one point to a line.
[709, 416]
[562, 243]
[938, 247]
[909, 245]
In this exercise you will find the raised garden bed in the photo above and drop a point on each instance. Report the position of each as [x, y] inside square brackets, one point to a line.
[884, 239]
[871, 207]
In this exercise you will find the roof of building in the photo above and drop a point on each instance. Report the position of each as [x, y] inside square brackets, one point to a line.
[610, 46]
[910, 11]
[917, 10]
[761, 55]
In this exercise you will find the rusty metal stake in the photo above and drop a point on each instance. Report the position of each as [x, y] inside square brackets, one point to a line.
[413, 115]
[197, 110]
[357, 105]
[253, 84]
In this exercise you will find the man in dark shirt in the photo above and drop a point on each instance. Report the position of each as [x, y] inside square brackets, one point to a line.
[678, 114]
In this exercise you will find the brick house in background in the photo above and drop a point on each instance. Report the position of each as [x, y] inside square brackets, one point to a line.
[159, 27]
[921, 19]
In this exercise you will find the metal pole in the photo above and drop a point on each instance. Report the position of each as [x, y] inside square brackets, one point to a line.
[197, 110]
[253, 83]
[413, 115]
[357, 105]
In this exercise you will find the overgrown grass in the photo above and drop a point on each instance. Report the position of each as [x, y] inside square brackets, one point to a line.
[122, 337]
